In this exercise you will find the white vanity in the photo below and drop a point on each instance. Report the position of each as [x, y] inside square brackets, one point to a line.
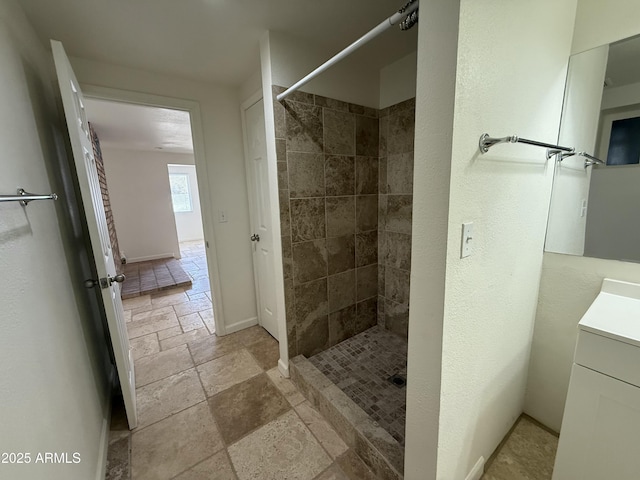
[600, 436]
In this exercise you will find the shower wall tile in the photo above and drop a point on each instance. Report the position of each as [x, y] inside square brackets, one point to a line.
[342, 324]
[401, 131]
[366, 282]
[366, 248]
[285, 214]
[400, 173]
[309, 260]
[345, 179]
[341, 253]
[283, 176]
[304, 127]
[331, 103]
[366, 213]
[307, 219]
[342, 290]
[366, 175]
[396, 317]
[397, 250]
[313, 336]
[399, 211]
[311, 302]
[297, 96]
[306, 174]
[395, 172]
[339, 175]
[367, 136]
[287, 257]
[366, 314]
[340, 216]
[339, 132]
[396, 285]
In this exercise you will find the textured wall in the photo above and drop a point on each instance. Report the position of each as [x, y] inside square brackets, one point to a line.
[54, 361]
[328, 182]
[491, 296]
[397, 131]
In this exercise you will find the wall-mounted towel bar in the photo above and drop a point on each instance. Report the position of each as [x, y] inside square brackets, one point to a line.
[590, 159]
[25, 197]
[486, 142]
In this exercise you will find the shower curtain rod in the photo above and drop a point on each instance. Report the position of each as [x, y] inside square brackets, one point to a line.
[383, 26]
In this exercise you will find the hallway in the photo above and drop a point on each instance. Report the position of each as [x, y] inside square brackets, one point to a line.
[215, 407]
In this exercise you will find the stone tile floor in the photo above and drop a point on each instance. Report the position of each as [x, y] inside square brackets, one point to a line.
[216, 407]
[361, 366]
[528, 453]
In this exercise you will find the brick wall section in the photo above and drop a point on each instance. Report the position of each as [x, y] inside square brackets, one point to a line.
[97, 152]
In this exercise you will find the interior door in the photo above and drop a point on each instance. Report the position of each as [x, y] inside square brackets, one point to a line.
[261, 220]
[78, 126]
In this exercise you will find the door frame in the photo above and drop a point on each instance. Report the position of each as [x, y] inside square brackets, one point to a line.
[197, 135]
[244, 106]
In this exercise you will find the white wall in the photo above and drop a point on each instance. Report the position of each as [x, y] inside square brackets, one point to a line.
[569, 284]
[225, 177]
[398, 81]
[138, 185]
[491, 297]
[580, 118]
[349, 80]
[252, 85]
[432, 171]
[601, 22]
[53, 358]
[189, 224]
[614, 97]
[568, 287]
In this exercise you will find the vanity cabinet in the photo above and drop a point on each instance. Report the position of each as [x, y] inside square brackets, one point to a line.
[600, 435]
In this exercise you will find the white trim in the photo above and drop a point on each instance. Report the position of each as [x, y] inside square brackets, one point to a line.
[252, 100]
[284, 368]
[477, 470]
[151, 257]
[208, 218]
[274, 197]
[241, 325]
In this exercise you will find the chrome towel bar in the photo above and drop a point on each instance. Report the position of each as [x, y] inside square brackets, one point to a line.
[25, 197]
[486, 142]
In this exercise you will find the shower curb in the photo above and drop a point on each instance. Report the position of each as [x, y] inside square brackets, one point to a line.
[377, 448]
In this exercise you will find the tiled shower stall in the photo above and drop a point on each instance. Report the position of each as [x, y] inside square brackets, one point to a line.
[345, 179]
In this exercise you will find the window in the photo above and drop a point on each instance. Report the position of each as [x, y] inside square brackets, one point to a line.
[180, 193]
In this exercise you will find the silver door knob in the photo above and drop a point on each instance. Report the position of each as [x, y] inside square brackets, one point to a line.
[118, 278]
[255, 237]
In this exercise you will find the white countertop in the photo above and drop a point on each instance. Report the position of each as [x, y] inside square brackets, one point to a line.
[615, 313]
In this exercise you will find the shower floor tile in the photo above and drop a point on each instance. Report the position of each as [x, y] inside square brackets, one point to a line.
[361, 366]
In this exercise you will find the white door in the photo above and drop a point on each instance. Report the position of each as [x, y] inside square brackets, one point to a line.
[78, 126]
[260, 216]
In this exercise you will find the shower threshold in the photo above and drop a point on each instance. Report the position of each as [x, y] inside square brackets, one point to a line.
[351, 385]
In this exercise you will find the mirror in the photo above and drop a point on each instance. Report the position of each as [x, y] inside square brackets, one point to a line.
[595, 209]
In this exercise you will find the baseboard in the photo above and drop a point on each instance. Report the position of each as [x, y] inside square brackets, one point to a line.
[150, 257]
[241, 325]
[477, 470]
[103, 451]
[284, 368]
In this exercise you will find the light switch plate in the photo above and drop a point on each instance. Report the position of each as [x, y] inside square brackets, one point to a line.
[222, 216]
[466, 246]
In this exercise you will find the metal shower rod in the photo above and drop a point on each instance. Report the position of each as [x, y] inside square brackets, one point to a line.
[383, 26]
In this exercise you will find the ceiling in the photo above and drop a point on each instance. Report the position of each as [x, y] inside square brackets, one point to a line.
[138, 127]
[623, 66]
[212, 40]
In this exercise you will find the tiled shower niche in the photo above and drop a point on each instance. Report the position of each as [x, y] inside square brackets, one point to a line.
[333, 163]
